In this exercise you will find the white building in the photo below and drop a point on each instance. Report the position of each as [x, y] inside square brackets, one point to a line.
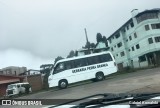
[100, 47]
[137, 42]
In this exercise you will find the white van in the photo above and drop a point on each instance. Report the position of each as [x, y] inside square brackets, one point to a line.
[18, 88]
[92, 66]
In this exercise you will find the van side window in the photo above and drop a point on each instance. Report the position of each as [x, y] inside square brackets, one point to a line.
[80, 62]
[93, 60]
[69, 64]
[22, 85]
[59, 67]
[105, 58]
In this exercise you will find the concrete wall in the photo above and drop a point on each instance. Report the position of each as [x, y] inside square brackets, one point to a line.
[35, 81]
[13, 70]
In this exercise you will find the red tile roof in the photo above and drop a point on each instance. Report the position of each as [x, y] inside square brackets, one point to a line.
[9, 81]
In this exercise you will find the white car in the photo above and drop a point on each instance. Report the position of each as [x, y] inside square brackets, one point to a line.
[18, 88]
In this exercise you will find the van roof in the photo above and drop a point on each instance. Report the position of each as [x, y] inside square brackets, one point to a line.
[19, 83]
[89, 55]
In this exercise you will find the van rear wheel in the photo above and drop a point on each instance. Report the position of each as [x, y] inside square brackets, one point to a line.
[99, 76]
[63, 84]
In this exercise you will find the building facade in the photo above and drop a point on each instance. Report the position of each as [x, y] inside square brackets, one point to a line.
[137, 42]
[13, 70]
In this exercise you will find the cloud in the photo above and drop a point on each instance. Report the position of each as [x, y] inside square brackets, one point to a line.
[51, 28]
[14, 57]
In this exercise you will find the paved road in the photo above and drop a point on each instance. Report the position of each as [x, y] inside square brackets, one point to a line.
[130, 82]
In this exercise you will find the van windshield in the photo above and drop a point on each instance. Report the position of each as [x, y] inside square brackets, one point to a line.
[11, 86]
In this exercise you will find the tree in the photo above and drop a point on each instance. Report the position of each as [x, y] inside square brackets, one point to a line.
[58, 58]
[99, 37]
[87, 45]
[105, 41]
[92, 45]
[71, 54]
[45, 69]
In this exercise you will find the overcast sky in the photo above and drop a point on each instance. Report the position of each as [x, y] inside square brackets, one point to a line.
[35, 32]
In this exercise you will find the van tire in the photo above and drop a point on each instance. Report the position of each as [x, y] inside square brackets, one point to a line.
[99, 76]
[63, 84]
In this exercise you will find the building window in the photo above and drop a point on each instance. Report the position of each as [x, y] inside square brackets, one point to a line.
[133, 48]
[132, 25]
[117, 35]
[127, 27]
[135, 35]
[146, 27]
[122, 54]
[124, 30]
[130, 38]
[112, 49]
[117, 55]
[157, 39]
[150, 40]
[146, 16]
[142, 58]
[155, 26]
[129, 50]
[137, 46]
[119, 44]
[126, 40]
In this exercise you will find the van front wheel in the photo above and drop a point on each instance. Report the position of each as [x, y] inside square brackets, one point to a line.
[63, 84]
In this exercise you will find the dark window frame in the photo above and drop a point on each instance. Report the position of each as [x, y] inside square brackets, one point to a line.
[157, 39]
[135, 35]
[137, 46]
[147, 27]
[122, 54]
[132, 24]
[130, 38]
[150, 40]
[133, 48]
[155, 26]
[146, 16]
[117, 35]
[119, 44]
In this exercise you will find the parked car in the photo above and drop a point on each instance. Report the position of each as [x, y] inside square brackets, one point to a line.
[18, 88]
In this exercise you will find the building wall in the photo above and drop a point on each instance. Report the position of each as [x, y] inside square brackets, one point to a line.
[12, 70]
[4, 79]
[35, 81]
[131, 37]
[3, 88]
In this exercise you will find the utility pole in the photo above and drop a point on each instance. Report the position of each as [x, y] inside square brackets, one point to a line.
[87, 40]
[86, 35]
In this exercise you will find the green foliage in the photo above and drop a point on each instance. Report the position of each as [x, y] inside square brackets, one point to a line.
[92, 45]
[104, 39]
[58, 58]
[99, 37]
[71, 54]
